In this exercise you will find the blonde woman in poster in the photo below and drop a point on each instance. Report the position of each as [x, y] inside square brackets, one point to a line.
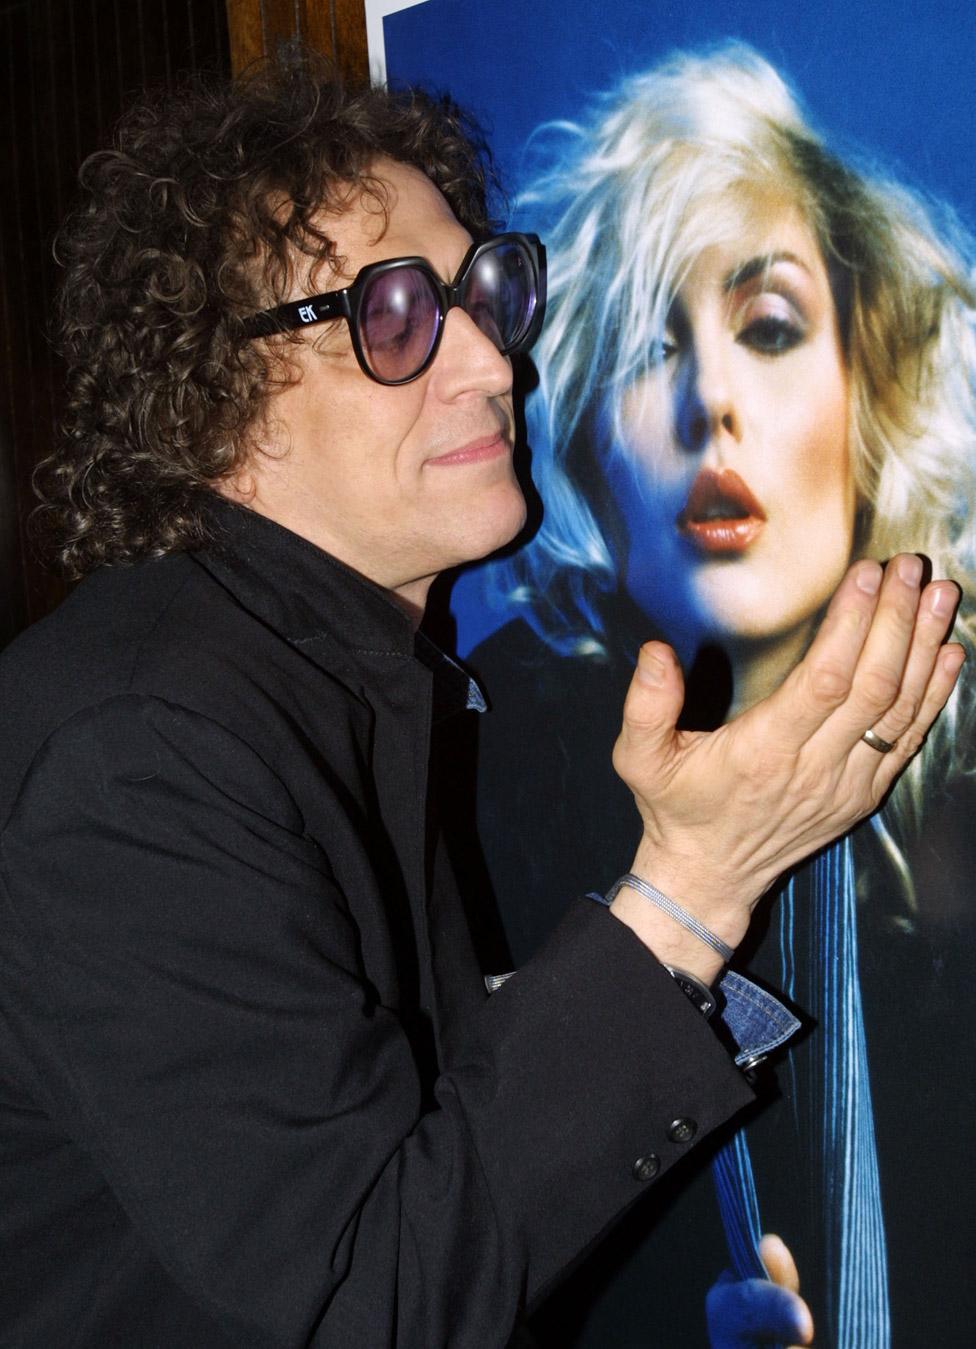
[760, 363]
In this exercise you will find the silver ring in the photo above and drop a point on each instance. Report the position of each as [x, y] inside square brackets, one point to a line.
[875, 741]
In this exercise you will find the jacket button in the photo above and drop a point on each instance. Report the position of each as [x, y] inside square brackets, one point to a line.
[646, 1168]
[682, 1130]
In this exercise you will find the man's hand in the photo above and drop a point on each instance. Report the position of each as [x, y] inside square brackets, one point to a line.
[745, 1312]
[726, 812]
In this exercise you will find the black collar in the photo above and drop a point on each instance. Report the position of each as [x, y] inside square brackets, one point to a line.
[313, 600]
[297, 589]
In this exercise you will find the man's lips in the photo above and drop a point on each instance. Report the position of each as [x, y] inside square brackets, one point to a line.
[475, 451]
[721, 515]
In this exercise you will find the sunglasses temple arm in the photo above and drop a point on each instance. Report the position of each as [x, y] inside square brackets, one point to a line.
[297, 314]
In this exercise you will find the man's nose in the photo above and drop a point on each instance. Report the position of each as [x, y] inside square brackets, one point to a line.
[468, 360]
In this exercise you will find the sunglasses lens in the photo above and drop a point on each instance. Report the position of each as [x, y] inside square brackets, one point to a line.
[500, 294]
[398, 322]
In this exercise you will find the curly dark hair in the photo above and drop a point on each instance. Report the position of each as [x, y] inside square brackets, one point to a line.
[192, 221]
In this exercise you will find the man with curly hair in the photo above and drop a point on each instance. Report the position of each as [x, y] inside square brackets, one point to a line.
[254, 1092]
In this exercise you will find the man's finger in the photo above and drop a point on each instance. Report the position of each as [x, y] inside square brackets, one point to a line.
[949, 661]
[883, 661]
[935, 613]
[651, 710]
[823, 679]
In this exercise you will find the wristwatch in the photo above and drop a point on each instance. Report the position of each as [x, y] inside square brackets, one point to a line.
[699, 993]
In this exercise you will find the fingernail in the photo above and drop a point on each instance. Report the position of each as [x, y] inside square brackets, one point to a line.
[944, 601]
[910, 569]
[868, 578]
[650, 669]
[803, 1331]
[953, 660]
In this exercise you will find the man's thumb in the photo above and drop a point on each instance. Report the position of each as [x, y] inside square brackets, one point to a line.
[651, 708]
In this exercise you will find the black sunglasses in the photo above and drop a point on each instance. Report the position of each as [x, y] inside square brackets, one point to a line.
[396, 309]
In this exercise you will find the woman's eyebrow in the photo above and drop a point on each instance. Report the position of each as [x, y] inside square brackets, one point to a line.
[747, 271]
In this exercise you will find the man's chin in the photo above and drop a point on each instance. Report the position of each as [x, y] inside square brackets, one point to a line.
[490, 536]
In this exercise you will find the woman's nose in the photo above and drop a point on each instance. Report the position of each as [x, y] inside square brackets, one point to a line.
[704, 405]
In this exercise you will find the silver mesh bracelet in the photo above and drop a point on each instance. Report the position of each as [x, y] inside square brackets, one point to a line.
[673, 910]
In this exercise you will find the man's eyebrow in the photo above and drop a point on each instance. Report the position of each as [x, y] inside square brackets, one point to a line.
[747, 271]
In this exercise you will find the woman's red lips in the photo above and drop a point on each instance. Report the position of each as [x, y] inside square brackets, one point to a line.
[721, 515]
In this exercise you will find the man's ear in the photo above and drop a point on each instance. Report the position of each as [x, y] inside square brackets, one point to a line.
[266, 440]
[241, 483]
[244, 489]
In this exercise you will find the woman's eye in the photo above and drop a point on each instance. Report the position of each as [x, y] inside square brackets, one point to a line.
[661, 351]
[771, 335]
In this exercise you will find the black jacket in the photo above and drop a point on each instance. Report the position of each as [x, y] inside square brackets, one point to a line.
[253, 1094]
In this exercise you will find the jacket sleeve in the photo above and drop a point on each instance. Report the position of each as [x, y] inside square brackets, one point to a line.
[218, 1050]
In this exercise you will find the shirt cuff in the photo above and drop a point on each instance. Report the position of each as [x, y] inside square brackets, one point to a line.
[757, 1022]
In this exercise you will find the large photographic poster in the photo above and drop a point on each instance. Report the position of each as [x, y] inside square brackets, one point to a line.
[759, 363]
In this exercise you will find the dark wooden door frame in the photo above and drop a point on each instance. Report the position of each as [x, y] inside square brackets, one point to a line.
[336, 28]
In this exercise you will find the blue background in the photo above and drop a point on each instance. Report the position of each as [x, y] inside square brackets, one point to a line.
[896, 78]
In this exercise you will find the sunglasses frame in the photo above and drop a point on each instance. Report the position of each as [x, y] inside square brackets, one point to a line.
[347, 303]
